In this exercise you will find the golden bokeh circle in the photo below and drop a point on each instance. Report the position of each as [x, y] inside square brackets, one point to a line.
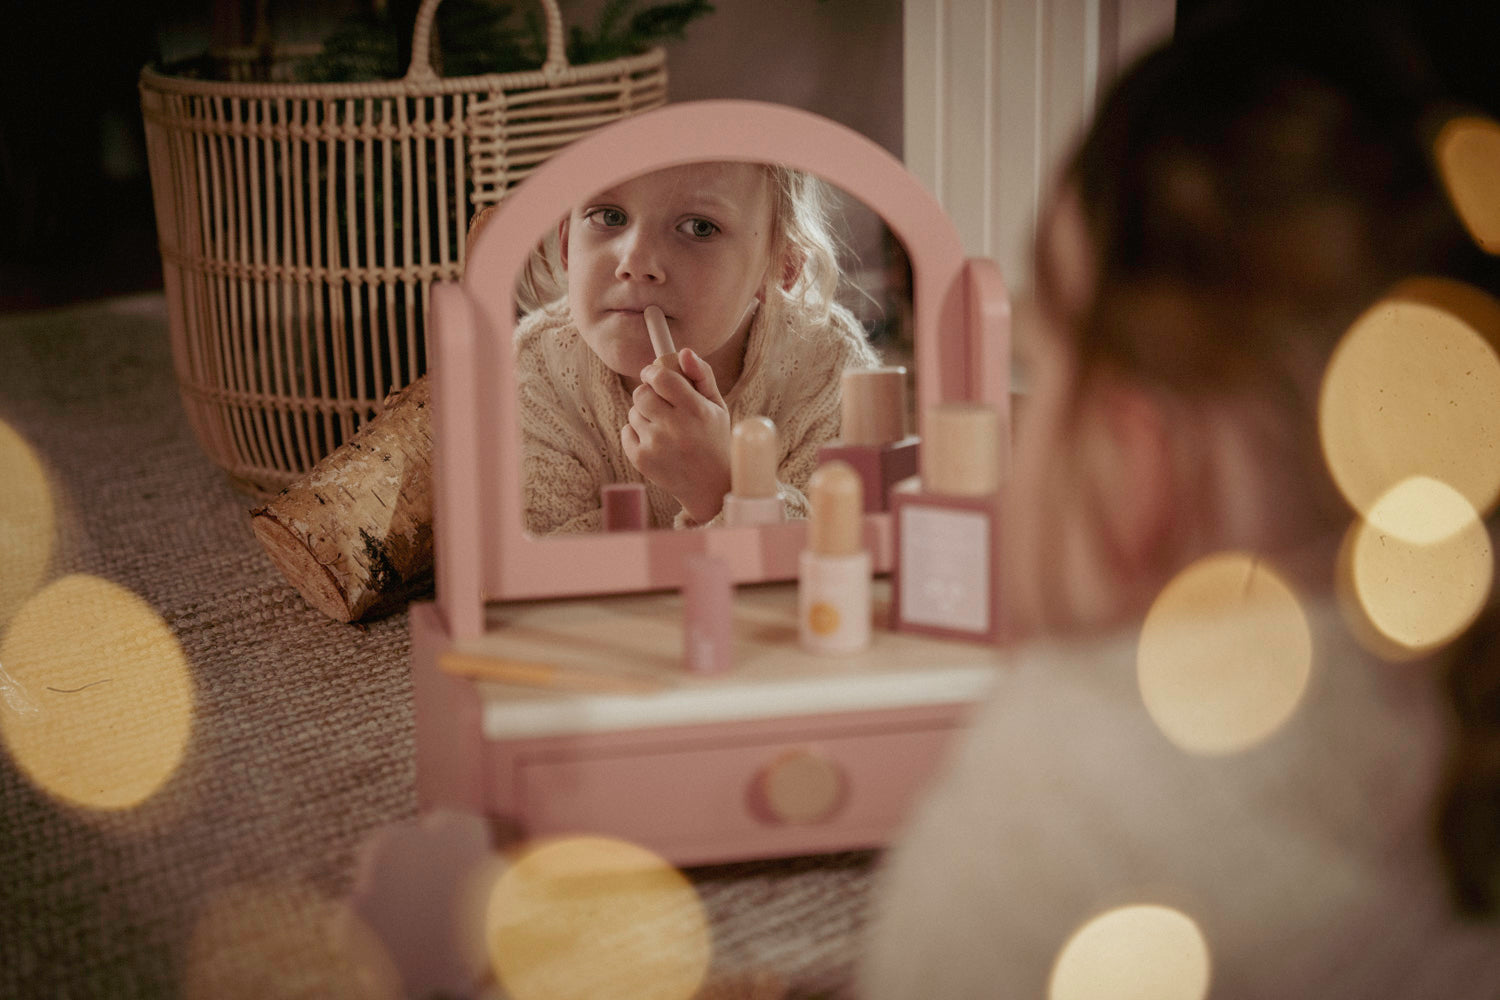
[1417, 571]
[108, 689]
[1137, 952]
[1224, 655]
[1467, 151]
[26, 522]
[1413, 389]
[591, 916]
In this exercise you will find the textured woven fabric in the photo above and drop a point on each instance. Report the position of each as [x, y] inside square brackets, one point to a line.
[298, 742]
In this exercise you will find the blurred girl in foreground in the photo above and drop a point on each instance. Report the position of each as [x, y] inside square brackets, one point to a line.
[1244, 195]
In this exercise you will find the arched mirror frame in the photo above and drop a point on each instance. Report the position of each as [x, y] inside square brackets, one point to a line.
[961, 346]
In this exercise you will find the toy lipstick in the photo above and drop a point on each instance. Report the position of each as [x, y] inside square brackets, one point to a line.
[661, 339]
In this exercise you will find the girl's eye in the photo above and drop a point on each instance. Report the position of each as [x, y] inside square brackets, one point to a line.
[609, 217]
[699, 229]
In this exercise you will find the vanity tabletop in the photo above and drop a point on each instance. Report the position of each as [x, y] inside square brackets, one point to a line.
[635, 642]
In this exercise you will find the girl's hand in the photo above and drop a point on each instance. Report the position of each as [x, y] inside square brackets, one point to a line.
[678, 434]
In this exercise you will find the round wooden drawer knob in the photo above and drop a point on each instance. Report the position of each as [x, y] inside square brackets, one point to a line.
[801, 786]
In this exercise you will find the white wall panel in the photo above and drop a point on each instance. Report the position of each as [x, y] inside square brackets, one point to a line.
[995, 92]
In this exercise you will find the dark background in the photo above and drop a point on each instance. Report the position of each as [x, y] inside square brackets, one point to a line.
[76, 220]
[75, 200]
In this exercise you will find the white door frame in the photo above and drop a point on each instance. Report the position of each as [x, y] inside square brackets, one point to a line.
[995, 92]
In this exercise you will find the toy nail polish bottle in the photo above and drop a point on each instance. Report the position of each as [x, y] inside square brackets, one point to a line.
[833, 592]
[753, 497]
[623, 506]
[946, 581]
[872, 432]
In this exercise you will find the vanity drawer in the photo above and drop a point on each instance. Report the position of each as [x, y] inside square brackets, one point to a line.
[705, 794]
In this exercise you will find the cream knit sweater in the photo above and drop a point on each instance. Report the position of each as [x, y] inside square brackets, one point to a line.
[572, 407]
[1307, 862]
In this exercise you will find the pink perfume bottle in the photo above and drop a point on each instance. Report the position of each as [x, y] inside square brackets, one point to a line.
[946, 581]
[872, 432]
[707, 614]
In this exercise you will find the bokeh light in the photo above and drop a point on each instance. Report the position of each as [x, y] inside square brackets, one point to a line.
[1467, 151]
[278, 941]
[109, 692]
[1224, 656]
[1417, 571]
[1414, 390]
[26, 522]
[1139, 952]
[583, 917]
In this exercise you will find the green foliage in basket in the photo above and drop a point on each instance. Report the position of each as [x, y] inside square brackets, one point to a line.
[487, 36]
[615, 36]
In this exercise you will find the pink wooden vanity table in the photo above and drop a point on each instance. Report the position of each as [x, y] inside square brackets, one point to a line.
[787, 753]
[784, 753]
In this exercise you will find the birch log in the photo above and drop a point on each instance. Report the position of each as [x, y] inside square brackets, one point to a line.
[354, 535]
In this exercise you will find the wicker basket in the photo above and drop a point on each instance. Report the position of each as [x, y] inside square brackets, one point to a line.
[302, 225]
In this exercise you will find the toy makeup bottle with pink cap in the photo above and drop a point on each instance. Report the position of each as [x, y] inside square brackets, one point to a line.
[946, 581]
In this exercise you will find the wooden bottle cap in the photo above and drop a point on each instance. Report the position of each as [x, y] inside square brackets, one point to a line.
[960, 454]
[752, 458]
[873, 405]
[836, 504]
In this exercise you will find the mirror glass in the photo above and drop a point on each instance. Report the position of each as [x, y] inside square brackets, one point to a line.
[778, 280]
[960, 327]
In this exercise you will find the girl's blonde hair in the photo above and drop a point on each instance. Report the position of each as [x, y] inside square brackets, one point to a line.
[803, 281]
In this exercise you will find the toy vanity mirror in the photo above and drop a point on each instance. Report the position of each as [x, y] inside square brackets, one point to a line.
[959, 317]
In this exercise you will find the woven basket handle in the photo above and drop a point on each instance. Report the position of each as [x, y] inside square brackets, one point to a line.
[420, 70]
